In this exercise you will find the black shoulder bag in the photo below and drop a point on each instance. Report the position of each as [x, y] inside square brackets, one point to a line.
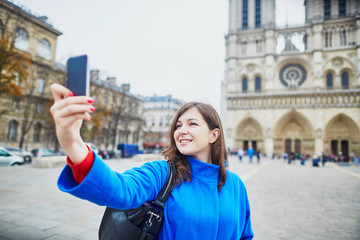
[143, 222]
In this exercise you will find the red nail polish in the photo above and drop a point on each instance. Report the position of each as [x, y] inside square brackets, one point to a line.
[90, 119]
[92, 109]
[71, 94]
[90, 100]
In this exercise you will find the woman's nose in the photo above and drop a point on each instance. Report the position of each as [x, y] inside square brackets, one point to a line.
[183, 130]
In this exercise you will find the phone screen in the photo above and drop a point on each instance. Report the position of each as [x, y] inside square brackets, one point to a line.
[77, 80]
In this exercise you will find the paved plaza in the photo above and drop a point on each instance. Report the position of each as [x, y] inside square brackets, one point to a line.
[287, 202]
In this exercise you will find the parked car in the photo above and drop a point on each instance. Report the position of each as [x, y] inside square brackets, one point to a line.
[7, 158]
[45, 152]
[20, 152]
[102, 153]
[111, 153]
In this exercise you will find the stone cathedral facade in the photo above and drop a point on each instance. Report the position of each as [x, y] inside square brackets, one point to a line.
[293, 89]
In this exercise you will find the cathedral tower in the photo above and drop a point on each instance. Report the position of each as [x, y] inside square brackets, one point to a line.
[294, 88]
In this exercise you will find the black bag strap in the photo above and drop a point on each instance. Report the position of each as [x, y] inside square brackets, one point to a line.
[166, 189]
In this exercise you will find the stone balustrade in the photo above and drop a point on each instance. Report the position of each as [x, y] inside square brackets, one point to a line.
[325, 99]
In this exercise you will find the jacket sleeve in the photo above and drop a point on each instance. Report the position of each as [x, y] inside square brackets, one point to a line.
[106, 187]
[81, 169]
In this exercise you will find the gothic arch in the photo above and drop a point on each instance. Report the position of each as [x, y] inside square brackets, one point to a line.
[341, 134]
[329, 78]
[338, 64]
[295, 61]
[249, 132]
[294, 133]
[349, 77]
[250, 69]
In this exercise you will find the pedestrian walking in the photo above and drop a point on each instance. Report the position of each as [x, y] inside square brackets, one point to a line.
[323, 159]
[240, 153]
[250, 153]
[315, 160]
[258, 156]
[207, 202]
[291, 157]
[285, 156]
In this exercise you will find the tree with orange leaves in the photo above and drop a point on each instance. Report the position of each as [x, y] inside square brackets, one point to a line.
[13, 62]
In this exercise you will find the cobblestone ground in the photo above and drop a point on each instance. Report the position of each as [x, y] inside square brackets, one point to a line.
[304, 202]
[287, 202]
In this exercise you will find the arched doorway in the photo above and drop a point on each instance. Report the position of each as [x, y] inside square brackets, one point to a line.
[342, 137]
[249, 133]
[293, 133]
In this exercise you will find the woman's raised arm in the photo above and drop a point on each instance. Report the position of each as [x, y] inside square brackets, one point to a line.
[68, 113]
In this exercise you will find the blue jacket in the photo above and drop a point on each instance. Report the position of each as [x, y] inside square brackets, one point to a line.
[250, 152]
[195, 210]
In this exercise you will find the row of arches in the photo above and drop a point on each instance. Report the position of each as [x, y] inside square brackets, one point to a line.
[245, 83]
[344, 80]
[338, 74]
[294, 133]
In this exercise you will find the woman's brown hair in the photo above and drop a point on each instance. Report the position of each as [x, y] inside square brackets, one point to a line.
[218, 149]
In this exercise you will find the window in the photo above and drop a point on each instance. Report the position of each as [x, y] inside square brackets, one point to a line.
[327, 9]
[44, 49]
[257, 13]
[41, 85]
[257, 84]
[342, 37]
[342, 8]
[17, 78]
[1, 29]
[244, 84]
[39, 108]
[329, 81]
[15, 103]
[135, 137]
[12, 132]
[243, 47]
[326, 39]
[37, 132]
[345, 80]
[245, 14]
[330, 39]
[258, 46]
[21, 39]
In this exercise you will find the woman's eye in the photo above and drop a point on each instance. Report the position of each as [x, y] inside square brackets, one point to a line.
[178, 126]
[193, 124]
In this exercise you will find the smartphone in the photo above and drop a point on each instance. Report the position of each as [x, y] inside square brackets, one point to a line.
[77, 79]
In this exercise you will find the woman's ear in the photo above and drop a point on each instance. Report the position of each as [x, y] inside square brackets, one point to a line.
[215, 133]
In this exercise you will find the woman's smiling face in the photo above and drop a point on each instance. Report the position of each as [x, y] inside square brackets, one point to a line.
[193, 136]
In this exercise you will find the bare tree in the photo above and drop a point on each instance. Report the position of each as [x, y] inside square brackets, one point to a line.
[35, 105]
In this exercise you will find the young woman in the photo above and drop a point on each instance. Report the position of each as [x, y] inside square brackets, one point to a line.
[208, 201]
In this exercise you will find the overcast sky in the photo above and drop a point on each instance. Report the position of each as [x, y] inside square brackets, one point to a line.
[159, 47]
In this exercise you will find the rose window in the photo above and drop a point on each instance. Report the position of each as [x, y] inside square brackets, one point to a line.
[292, 75]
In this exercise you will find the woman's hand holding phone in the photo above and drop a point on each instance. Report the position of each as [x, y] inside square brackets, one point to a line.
[68, 113]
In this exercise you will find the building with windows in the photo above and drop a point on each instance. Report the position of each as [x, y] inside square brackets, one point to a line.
[25, 120]
[295, 88]
[158, 113]
[119, 115]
